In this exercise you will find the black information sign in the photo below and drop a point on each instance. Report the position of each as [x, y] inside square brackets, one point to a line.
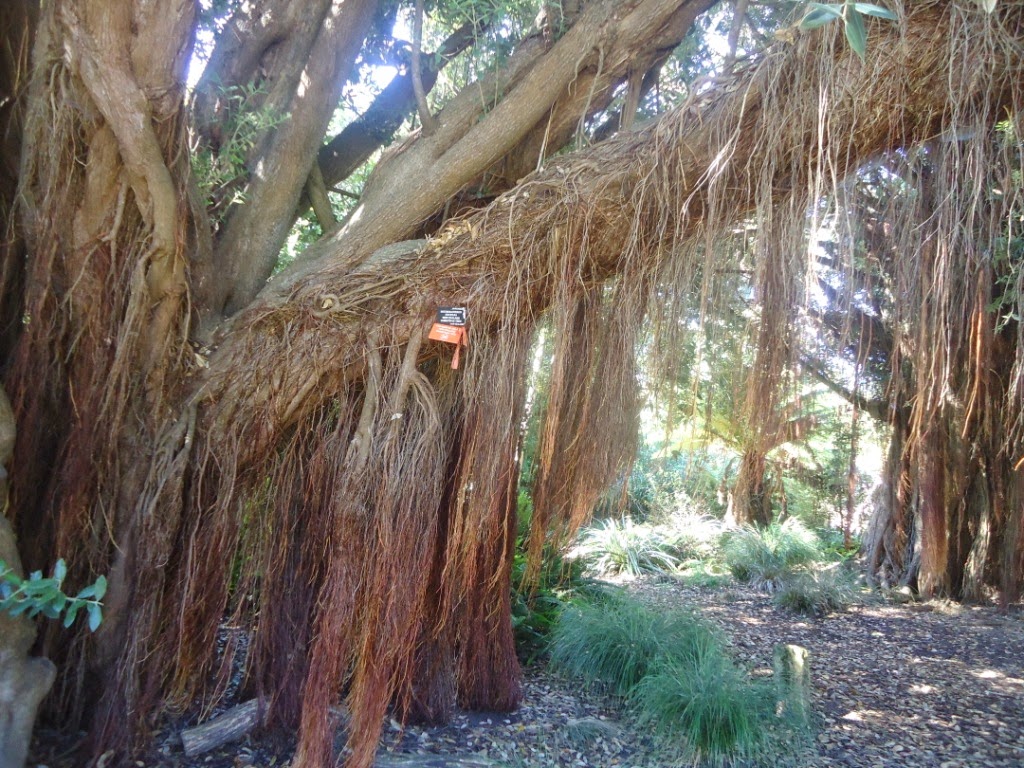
[452, 316]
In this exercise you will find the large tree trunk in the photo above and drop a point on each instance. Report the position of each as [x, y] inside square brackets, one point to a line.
[749, 502]
[304, 455]
[100, 354]
[890, 534]
[24, 680]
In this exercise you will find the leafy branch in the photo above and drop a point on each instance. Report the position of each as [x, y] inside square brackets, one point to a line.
[37, 595]
[852, 15]
[221, 170]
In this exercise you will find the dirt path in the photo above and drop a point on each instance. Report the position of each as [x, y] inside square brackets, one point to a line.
[934, 685]
[911, 686]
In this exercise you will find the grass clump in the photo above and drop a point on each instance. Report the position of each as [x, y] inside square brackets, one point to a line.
[693, 537]
[767, 557]
[711, 707]
[817, 592]
[672, 669]
[614, 547]
[616, 644]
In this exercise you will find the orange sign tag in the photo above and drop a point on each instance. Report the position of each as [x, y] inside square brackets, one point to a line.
[449, 334]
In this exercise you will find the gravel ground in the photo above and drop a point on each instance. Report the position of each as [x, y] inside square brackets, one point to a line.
[900, 686]
[932, 685]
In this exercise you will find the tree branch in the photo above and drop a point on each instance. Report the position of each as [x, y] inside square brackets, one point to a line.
[597, 190]
[428, 121]
[348, 150]
[255, 232]
[242, 47]
[877, 409]
[316, 191]
[739, 17]
[426, 172]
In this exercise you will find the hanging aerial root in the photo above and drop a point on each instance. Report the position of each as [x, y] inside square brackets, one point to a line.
[602, 241]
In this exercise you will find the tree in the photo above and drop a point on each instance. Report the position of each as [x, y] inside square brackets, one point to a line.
[286, 452]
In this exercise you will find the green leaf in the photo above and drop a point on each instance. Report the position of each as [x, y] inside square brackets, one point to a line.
[60, 570]
[96, 590]
[72, 614]
[869, 9]
[819, 15]
[856, 33]
[101, 587]
[95, 616]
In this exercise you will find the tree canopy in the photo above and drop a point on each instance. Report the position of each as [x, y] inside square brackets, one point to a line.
[232, 406]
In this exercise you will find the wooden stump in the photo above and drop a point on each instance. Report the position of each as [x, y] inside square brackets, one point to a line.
[793, 681]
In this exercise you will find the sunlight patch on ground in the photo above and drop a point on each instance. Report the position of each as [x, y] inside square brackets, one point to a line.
[1000, 682]
[864, 715]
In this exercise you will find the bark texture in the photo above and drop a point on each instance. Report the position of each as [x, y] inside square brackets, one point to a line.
[321, 450]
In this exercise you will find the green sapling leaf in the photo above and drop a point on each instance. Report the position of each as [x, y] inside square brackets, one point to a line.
[870, 9]
[856, 32]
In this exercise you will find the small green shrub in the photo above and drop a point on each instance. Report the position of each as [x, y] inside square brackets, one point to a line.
[616, 644]
[37, 595]
[612, 547]
[766, 557]
[536, 608]
[816, 592]
[710, 707]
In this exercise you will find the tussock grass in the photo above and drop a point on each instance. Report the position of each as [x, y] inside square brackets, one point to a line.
[673, 671]
[693, 536]
[615, 547]
[767, 557]
[618, 643]
[711, 707]
[817, 592]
